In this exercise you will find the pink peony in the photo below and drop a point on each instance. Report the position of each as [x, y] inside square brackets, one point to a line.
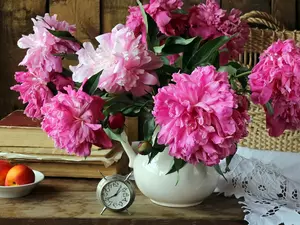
[173, 58]
[209, 21]
[42, 45]
[200, 116]
[51, 22]
[177, 25]
[276, 79]
[169, 22]
[135, 22]
[164, 5]
[72, 121]
[61, 82]
[34, 91]
[90, 62]
[205, 19]
[126, 63]
[286, 116]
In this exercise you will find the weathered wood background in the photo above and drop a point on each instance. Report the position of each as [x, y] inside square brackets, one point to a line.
[93, 17]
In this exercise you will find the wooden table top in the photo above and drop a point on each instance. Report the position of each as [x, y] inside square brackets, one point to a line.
[73, 202]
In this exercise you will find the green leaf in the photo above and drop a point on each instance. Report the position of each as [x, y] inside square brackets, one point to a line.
[173, 45]
[114, 107]
[148, 128]
[229, 69]
[219, 171]
[180, 11]
[125, 104]
[237, 70]
[77, 85]
[178, 62]
[214, 60]
[269, 108]
[165, 60]
[158, 147]
[113, 136]
[101, 93]
[145, 18]
[129, 109]
[92, 84]
[52, 88]
[177, 165]
[234, 65]
[204, 54]
[60, 34]
[151, 28]
[169, 69]
[152, 155]
[165, 74]
[66, 35]
[243, 81]
[67, 56]
[66, 73]
[228, 160]
[233, 84]
[190, 50]
[134, 109]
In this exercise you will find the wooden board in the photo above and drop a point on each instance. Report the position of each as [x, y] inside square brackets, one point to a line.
[15, 20]
[297, 14]
[114, 12]
[285, 12]
[71, 201]
[189, 3]
[248, 5]
[85, 14]
[132, 128]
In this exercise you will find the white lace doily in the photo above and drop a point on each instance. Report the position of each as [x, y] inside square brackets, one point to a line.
[269, 197]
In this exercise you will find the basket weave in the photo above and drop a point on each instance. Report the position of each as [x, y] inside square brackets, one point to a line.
[259, 40]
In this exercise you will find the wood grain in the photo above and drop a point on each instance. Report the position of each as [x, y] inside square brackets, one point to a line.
[285, 11]
[132, 128]
[114, 12]
[298, 14]
[70, 201]
[248, 5]
[85, 14]
[15, 20]
[189, 3]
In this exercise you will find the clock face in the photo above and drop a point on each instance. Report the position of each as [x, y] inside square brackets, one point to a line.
[116, 195]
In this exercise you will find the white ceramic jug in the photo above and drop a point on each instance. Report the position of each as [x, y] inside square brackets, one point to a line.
[187, 188]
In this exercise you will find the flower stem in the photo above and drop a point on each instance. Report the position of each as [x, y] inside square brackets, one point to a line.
[243, 74]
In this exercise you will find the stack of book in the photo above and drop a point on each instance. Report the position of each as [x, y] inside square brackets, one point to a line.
[23, 141]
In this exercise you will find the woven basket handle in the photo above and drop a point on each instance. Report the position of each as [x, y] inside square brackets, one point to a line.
[262, 18]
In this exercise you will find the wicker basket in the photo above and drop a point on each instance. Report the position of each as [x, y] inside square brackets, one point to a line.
[259, 40]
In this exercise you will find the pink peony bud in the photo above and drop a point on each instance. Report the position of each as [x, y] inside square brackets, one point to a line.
[116, 121]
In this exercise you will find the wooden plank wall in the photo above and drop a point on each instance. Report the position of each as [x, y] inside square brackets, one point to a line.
[93, 17]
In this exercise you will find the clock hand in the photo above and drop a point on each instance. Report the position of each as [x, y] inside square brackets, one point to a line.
[118, 191]
[114, 194]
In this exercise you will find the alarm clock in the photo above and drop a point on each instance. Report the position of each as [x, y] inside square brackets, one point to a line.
[116, 193]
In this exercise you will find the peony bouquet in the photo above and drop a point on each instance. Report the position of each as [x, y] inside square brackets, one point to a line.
[174, 68]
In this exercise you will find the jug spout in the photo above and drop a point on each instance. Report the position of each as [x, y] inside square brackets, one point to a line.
[128, 149]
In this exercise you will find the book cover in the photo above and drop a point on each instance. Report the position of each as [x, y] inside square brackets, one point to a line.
[23, 141]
